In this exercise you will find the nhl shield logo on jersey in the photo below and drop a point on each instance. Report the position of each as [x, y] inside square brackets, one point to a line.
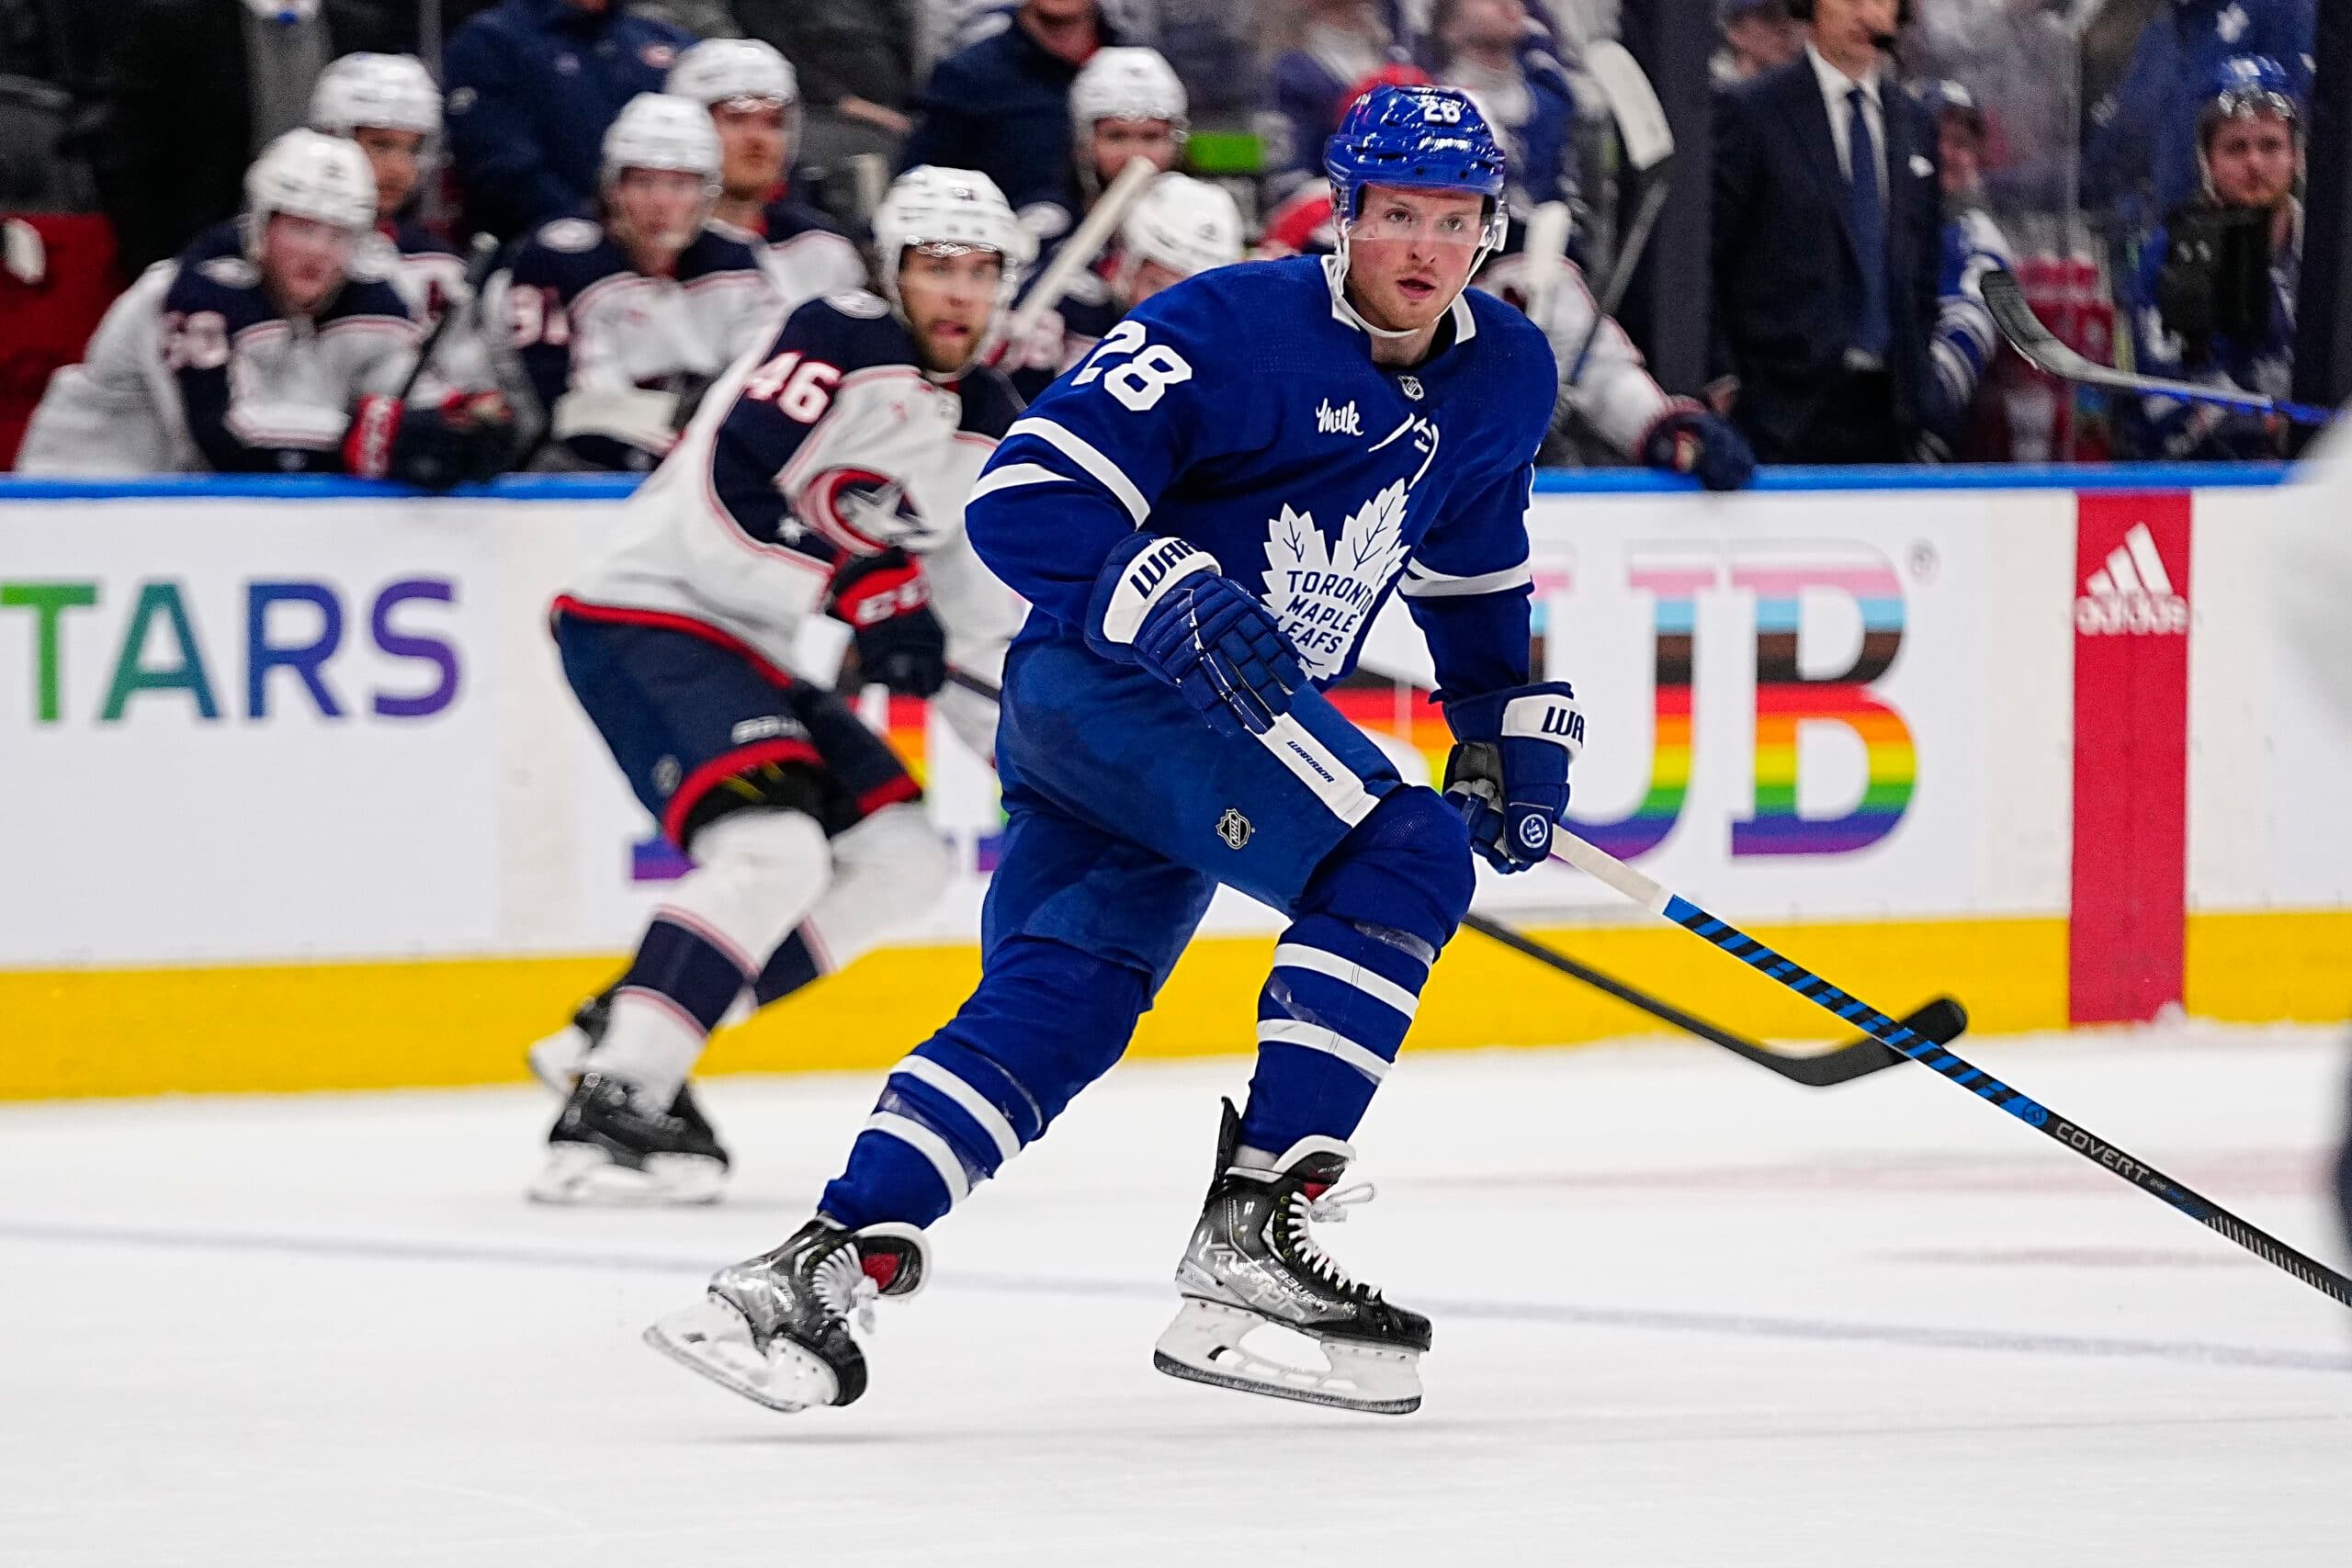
[1234, 829]
[1321, 592]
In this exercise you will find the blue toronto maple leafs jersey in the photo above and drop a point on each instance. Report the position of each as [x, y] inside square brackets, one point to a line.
[1240, 410]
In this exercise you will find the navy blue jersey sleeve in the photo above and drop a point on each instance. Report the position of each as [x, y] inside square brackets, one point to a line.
[1162, 397]
[213, 320]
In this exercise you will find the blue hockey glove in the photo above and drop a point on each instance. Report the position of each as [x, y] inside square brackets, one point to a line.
[1687, 439]
[1161, 602]
[1508, 772]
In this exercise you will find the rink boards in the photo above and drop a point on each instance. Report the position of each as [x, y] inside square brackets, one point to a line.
[2041, 745]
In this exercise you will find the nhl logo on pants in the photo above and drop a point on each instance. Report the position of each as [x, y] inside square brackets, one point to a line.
[1234, 829]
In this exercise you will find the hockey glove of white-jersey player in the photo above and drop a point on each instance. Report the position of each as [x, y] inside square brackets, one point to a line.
[1509, 772]
[1688, 439]
[466, 437]
[1163, 603]
[886, 603]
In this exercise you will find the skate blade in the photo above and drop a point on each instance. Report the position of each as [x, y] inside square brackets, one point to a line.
[584, 1175]
[712, 1338]
[557, 1060]
[1205, 1346]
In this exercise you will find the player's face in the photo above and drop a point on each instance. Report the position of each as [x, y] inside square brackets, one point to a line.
[1151, 278]
[1957, 151]
[393, 154]
[1117, 141]
[948, 297]
[2252, 162]
[659, 208]
[751, 147]
[1763, 37]
[1410, 253]
[302, 260]
[1843, 29]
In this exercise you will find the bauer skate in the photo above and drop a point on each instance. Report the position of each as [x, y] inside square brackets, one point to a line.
[776, 1328]
[1252, 1266]
[609, 1148]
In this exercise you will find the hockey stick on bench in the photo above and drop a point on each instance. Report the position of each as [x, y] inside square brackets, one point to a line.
[1607, 868]
[2040, 347]
[1940, 1020]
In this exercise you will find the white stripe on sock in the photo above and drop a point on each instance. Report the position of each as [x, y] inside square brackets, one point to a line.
[1315, 1037]
[929, 1144]
[969, 1100]
[1379, 987]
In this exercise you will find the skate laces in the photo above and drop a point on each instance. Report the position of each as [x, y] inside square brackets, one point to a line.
[845, 1288]
[1332, 1208]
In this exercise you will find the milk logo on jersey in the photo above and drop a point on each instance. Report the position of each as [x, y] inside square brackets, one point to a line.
[2133, 593]
[1322, 591]
[1341, 420]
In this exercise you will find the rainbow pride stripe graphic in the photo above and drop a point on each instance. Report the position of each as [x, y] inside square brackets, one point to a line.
[1785, 699]
[1674, 590]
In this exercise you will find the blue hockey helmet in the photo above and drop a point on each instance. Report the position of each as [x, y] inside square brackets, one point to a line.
[1426, 137]
[2245, 86]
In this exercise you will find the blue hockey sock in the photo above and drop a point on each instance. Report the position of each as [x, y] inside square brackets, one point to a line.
[1046, 1020]
[688, 966]
[1330, 1020]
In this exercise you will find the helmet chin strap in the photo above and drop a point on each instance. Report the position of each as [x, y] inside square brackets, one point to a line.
[1335, 273]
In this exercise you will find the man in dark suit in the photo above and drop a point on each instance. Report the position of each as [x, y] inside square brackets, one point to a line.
[1826, 212]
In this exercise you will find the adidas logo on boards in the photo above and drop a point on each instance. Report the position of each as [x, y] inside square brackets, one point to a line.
[2131, 594]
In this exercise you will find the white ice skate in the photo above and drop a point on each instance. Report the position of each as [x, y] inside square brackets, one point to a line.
[777, 1329]
[1253, 1273]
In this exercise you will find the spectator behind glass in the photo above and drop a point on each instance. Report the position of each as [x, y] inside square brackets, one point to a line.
[1827, 224]
[1323, 49]
[1492, 51]
[1002, 107]
[533, 86]
[2142, 159]
[857, 60]
[1758, 36]
[200, 87]
[2214, 298]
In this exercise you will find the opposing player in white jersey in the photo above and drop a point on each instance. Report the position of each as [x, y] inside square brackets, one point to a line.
[1179, 227]
[754, 100]
[1612, 397]
[269, 345]
[620, 326]
[825, 474]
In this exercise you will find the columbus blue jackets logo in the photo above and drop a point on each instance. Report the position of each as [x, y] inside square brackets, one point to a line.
[1234, 829]
[863, 512]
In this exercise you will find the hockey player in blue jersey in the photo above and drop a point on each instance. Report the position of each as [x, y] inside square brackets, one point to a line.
[1205, 514]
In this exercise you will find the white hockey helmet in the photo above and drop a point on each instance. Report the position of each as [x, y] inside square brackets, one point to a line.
[308, 174]
[1186, 225]
[1125, 82]
[661, 130]
[388, 92]
[952, 209]
[725, 69]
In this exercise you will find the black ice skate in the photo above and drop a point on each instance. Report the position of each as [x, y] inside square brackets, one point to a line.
[559, 1059]
[609, 1148]
[776, 1328]
[1253, 1266]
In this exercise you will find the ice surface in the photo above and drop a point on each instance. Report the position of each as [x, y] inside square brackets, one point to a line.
[1686, 1315]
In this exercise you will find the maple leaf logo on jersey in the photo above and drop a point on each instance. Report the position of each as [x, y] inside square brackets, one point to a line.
[1322, 591]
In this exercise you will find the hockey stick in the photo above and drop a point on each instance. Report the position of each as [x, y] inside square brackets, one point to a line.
[1941, 1020]
[1605, 867]
[2040, 347]
[478, 264]
[1648, 141]
[1077, 252]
